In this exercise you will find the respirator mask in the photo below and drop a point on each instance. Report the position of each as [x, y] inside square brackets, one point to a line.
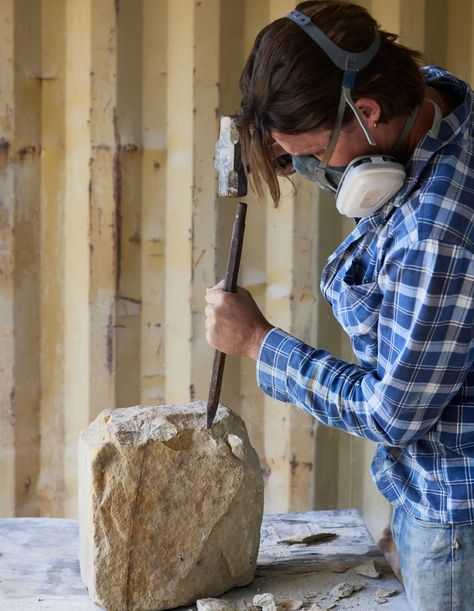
[368, 182]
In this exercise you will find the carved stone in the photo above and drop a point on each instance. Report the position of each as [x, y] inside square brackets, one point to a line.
[170, 512]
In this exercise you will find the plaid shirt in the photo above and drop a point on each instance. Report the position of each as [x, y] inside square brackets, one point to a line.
[402, 287]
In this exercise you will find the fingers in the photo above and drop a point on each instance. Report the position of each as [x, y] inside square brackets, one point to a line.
[216, 287]
[209, 312]
[220, 286]
[215, 294]
[234, 323]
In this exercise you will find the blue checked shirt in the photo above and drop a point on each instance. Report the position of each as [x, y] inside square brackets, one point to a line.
[402, 287]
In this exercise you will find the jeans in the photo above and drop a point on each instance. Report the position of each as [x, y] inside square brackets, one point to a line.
[437, 563]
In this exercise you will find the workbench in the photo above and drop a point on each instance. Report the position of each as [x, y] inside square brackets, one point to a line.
[39, 566]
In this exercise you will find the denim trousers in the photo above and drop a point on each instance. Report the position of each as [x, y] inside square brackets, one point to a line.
[437, 563]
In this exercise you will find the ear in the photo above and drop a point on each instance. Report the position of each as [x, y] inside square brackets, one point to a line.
[370, 109]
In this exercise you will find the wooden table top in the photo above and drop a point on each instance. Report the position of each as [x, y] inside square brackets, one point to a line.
[39, 566]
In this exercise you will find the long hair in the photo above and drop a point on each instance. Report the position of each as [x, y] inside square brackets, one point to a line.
[290, 85]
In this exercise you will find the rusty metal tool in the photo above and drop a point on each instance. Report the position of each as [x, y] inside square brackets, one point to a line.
[232, 183]
[230, 285]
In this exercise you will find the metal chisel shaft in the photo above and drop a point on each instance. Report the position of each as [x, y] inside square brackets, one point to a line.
[230, 285]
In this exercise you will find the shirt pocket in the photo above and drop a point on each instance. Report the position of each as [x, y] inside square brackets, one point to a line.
[358, 310]
[384, 463]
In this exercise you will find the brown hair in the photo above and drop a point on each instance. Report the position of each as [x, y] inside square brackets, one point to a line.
[290, 85]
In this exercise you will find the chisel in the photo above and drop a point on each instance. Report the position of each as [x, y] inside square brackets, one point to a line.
[230, 285]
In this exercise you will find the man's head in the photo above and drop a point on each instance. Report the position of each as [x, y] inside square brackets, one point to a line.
[290, 86]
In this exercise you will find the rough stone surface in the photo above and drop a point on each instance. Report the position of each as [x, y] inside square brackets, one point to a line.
[168, 514]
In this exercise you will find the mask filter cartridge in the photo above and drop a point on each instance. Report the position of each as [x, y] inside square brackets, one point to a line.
[367, 184]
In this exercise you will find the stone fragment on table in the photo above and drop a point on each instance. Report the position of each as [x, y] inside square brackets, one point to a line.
[308, 539]
[265, 601]
[290, 604]
[168, 514]
[214, 604]
[345, 589]
[327, 605]
[382, 594]
[368, 569]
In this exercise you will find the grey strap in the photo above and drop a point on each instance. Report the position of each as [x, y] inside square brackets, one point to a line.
[403, 137]
[348, 61]
[438, 117]
[346, 93]
[321, 171]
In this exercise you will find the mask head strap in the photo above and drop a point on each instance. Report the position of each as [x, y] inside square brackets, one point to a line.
[350, 63]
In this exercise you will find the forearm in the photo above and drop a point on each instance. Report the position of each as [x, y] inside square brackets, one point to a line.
[325, 387]
[425, 350]
[344, 395]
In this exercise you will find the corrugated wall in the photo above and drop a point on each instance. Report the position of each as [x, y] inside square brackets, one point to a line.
[110, 232]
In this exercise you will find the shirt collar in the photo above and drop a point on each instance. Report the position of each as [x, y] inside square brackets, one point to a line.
[451, 128]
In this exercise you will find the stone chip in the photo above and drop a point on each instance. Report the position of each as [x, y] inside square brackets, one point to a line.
[308, 539]
[368, 569]
[265, 601]
[290, 604]
[237, 446]
[382, 594]
[214, 604]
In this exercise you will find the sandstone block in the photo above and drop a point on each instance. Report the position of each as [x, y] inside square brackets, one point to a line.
[170, 512]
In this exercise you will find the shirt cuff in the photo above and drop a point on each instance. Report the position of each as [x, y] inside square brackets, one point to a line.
[272, 363]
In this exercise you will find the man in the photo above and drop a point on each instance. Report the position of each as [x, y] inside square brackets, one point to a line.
[394, 142]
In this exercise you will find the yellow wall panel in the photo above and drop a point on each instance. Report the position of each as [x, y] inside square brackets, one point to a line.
[52, 202]
[104, 204]
[25, 111]
[111, 230]
[76, 243]
[153, 211]
[193, 73]
[7, 263]
[459, 31]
